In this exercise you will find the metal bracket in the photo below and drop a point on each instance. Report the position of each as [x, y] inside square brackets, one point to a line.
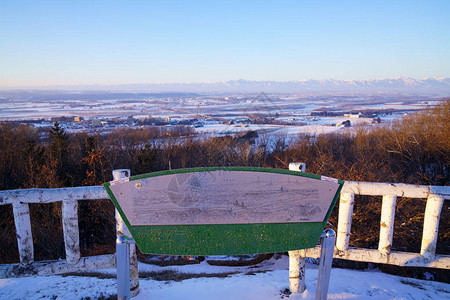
[123, 266]
[327, 239]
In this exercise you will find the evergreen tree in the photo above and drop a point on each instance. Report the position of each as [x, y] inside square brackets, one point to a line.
[58, 161]
[147, 159]
[59, 142]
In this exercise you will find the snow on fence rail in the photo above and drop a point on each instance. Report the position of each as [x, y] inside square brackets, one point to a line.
[427, 257]
[435, 195]
[20, 200]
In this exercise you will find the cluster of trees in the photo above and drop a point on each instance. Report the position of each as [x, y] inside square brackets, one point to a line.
[412, 150]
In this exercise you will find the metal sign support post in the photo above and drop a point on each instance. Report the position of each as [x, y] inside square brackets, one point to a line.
[123, 267]
[328, 239]
[123, 175]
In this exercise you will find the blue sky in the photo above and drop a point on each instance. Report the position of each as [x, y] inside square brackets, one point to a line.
[111, 42]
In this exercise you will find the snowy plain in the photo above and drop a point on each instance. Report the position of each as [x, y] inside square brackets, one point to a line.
[267, 280]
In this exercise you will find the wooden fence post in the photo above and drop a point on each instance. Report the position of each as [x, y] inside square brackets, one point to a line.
[22, 221]
[123, 230]
[344, 221]
[297, 282]
[431, 226]
[387, 223]
[71, 230]
[297, 271]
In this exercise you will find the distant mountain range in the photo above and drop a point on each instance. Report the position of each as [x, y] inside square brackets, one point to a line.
[403, 85]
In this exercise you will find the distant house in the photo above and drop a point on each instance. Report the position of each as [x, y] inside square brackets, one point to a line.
[353, 116]
[96, 122]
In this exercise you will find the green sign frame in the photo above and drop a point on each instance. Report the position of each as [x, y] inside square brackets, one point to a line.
[225, 239]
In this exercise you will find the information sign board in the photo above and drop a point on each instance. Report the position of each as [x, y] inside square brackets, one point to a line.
[234, 210]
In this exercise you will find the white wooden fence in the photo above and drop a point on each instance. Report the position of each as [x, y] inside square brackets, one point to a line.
[435, 195]
[20, 200]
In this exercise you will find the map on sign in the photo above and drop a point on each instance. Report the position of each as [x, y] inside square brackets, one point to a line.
[199, 206]
[224, 197]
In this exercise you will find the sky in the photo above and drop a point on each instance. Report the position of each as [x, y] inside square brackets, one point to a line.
[46, 43]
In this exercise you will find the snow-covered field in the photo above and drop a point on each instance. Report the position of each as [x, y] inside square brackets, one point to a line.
[301, 114]
[322, 126]
[222, 129]
[33, 106]
[268, 280]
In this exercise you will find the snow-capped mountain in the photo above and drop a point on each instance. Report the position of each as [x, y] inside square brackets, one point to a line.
[404, 85]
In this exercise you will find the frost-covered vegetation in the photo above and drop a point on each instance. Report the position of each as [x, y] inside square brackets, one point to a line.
[414, 150]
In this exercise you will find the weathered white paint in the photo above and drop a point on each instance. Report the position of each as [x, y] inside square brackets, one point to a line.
[71, 231]
[52, 195]
[297, 280]
[397, 189]
[21, 213]
[134, 273]
[344, 220]
[45, 268]
[431, 226]
[387, 223]
[296, 166]
[397, 258]
[123, 230]
[120, 224]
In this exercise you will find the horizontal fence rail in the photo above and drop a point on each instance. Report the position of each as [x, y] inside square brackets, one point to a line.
[20, 200]
[427, 257]
[435, 195]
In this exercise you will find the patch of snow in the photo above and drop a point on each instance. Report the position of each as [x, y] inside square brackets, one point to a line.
[267, 280]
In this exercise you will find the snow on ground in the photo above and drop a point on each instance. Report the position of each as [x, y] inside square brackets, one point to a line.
[397, 105]
[221, 129]
[268, 280]
[323, 125]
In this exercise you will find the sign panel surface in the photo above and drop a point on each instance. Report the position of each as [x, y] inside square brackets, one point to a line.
[234, 210]
[224, 197]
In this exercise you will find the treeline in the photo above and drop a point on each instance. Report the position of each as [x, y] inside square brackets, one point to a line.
[412, 150]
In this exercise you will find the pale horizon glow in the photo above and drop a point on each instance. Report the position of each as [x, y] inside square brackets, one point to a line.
[51, 43]
[44, 84]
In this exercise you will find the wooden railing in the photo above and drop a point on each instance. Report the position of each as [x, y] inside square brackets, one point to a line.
[20, 200]
[435, 195]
